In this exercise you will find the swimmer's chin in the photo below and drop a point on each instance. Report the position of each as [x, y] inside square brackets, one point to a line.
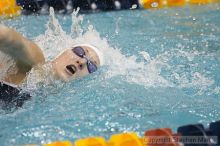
[64, 76]
[67, 77]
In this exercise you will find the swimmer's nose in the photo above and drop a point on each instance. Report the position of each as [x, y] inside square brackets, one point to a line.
[81, 64]
[71, 69]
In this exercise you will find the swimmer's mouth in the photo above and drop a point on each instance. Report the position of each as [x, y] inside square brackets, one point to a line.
[71, 69]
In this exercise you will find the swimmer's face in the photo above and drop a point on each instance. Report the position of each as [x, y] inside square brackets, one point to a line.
[75, 63]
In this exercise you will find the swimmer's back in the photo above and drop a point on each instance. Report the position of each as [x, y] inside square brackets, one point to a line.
[11, 95]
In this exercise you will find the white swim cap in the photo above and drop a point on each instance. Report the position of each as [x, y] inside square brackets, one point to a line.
[98, 52]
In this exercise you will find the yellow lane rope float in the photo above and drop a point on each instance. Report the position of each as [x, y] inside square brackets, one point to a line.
[9, 9]
[146, 4]
[123, 139]
[152, 137]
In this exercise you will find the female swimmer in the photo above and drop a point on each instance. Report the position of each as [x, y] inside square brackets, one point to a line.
[77, 61]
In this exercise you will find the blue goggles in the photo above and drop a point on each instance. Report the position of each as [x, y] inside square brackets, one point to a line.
[91, 66]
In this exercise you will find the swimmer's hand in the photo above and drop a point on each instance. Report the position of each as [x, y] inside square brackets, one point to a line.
[19, 48]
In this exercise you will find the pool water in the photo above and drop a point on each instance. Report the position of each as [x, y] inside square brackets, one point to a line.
[161, 70]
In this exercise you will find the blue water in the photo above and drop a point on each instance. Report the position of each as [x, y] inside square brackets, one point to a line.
[162, 70]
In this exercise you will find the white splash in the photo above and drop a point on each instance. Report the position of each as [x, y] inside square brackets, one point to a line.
[77, 20]
[146, 73]
[55, 40]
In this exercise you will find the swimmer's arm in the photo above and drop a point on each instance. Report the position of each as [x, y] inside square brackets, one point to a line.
[19, 48]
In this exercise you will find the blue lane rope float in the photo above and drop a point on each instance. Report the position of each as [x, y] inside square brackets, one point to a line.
[215, 129]
[67, 6]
